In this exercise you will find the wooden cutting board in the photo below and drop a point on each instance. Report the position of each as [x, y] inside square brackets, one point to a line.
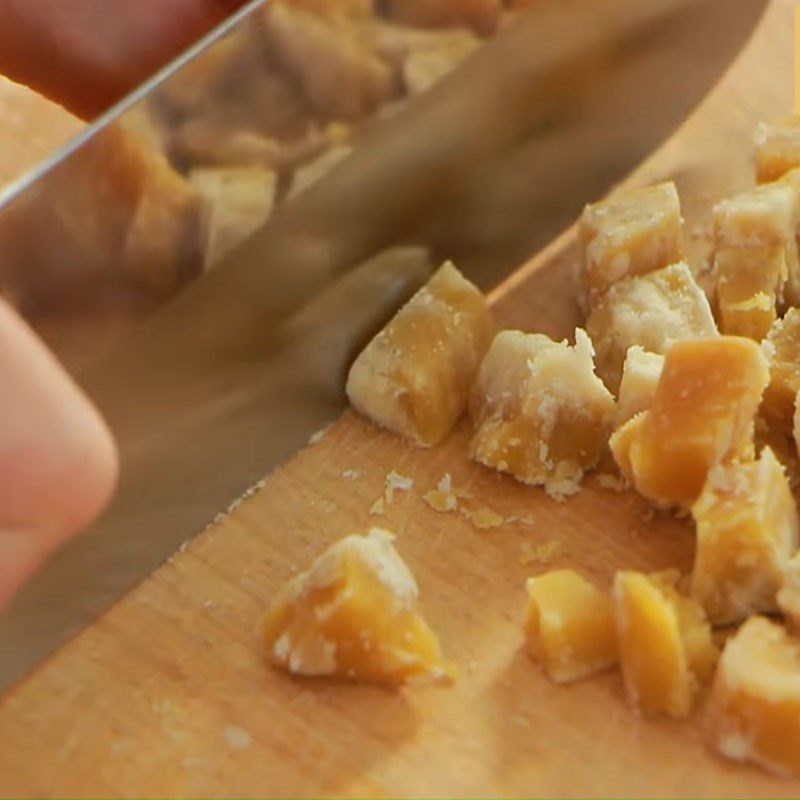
[168, 694]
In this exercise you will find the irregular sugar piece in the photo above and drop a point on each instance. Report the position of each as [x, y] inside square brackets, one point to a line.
[354, 614]
[796, 424]
[640, 375]
[482, 16]
[777, 148]
[783, 348]
[665, 644]
[240, 200]
[747, 530]
[631, 233]
[414, 377]
[756, 257]
[651, 311]
[570, 626]
[754, 708]
[701, 415]
[443, 498]
[750, 282]
[789, 593]
[540, 412]
[428, 63]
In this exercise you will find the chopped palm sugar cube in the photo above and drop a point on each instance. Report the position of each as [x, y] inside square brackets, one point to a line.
[796, 424]
[640, 375]
[789, 593]
[665, 645]
[754, 708]
[240, 200]
[570, 626]
[777, 149]
[443, 498]
[354, 614]
[701, 415]
[651, 311]
[756, 257]
[427, 64]
[783, 348]
[748, 281]
[747, 529]
[631, 233]
[482, 16]
[540, 412]
[414, 377]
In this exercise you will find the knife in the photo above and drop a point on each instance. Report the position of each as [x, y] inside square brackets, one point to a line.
[214, 378]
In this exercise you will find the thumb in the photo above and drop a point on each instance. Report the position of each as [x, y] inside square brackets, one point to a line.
[58, 463]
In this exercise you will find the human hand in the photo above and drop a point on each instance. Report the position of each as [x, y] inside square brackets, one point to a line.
[87, 54]
[58, 462]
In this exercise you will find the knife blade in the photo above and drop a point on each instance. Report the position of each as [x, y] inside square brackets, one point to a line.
[210, 388]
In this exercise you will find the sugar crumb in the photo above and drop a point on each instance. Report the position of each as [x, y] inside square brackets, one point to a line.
[395, 482]
[378, 507]
[441, 502]
[351, 474]
[237, 738]
[544, 554]
[614, 483]
[483, 518]
[443, 498]
[319, 435]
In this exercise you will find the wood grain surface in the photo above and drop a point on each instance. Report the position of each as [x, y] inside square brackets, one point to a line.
[168, 693]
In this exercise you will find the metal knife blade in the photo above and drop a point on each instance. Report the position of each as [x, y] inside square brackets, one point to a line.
[209, 388]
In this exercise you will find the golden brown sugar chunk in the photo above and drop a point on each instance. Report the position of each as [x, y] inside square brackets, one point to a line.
[796, 424]
[783, 349]
[756, 253]
[240, 200]
[354, 615]
[777, 149]
[747, 530]
[640, 375]
[754, 708]
[340, 74]
[666, 648]
[540, 412]
[436, 56]
[414, 377]
[482, 16]
[570, 626]
[352, 9]
[631, 233]
[651, 311]
[747, 289]
[789, 593]
[701, 415]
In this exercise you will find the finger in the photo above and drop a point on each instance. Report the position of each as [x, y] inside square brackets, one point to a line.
[87, 54]
[58, 463]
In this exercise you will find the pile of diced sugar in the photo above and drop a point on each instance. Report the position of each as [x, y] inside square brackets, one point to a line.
[697, 401]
